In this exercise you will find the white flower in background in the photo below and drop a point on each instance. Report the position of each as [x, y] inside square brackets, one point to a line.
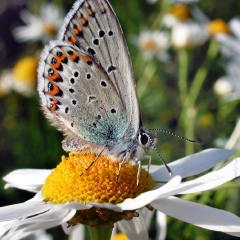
[230, 39]
[188, 35]
[39, 28]
[222, 86]
[154, 43]
[21, 79]
[230, 49]
[41, 212]
[186, 32]
[177, 14]
[234, 25]
[231, 89]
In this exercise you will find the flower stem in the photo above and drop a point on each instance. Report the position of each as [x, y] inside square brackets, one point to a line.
[146, 77]
[189, 97]
[202, 72]
[183, 55]
[100, 232]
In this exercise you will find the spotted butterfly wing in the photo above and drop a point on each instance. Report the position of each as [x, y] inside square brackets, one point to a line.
[86, 83]
[93, 26]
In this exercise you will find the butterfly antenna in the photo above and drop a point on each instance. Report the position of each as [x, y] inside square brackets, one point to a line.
[198, 141]
[165, 164]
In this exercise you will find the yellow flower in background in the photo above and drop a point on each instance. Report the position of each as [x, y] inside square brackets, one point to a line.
[207, 120]
[180, 11]
[177, 13]
[120, 236]
[22, 78]
[218, 26]
[25, 71]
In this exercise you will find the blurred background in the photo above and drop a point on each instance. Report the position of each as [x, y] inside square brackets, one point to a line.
[186, 60]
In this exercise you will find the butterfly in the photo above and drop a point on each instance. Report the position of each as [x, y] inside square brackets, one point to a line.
[87, 88]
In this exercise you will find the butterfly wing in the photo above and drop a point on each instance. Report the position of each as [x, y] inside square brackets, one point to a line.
[78, 96]
[92, 26]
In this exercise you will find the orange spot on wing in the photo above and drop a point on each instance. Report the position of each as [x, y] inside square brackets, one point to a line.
[103, 9]
[84, 20]
[86, 59]
[90, 12]
[54, 76]
[54, 106]
[56, 65]
[54, 89]
[77, 30]
[61, 58]
[72, 40]
[74, 56]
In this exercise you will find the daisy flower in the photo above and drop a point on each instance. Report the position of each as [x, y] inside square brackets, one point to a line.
[230, 48]
[228, 86]
[188, 35]
[186, 32]
[21, 79]
[43, 27]
[154, 43]
[71, 195]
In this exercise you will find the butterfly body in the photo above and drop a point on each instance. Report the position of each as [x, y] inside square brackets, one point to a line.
[87, 88]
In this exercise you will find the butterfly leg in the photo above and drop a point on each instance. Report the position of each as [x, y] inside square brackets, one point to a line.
[125, 158]
[140, 166]
[149, 161]
[96, 158]
[139, 169]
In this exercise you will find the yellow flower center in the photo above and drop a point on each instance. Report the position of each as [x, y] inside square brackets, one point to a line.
[25, 70]
[50, 30]
[70, 181]
[120, 236]
[218, 26]
[180, 11]
[149, 45]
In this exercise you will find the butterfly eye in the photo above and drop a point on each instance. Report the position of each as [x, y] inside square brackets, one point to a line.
[144, 139]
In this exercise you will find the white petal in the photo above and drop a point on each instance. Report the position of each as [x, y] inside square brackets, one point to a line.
[199, 215]
[26, 179]
[161, 226]
[229, 44]
[43, 220]
[193, 164]
[147, 197]
[46, 221]
[20, 234]
[42, 235]
[134, 229]
[148, 215]
[215, 178]
[75, 205]
[113, 207]
[76, 232]
[22, 210]
[234, 25]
